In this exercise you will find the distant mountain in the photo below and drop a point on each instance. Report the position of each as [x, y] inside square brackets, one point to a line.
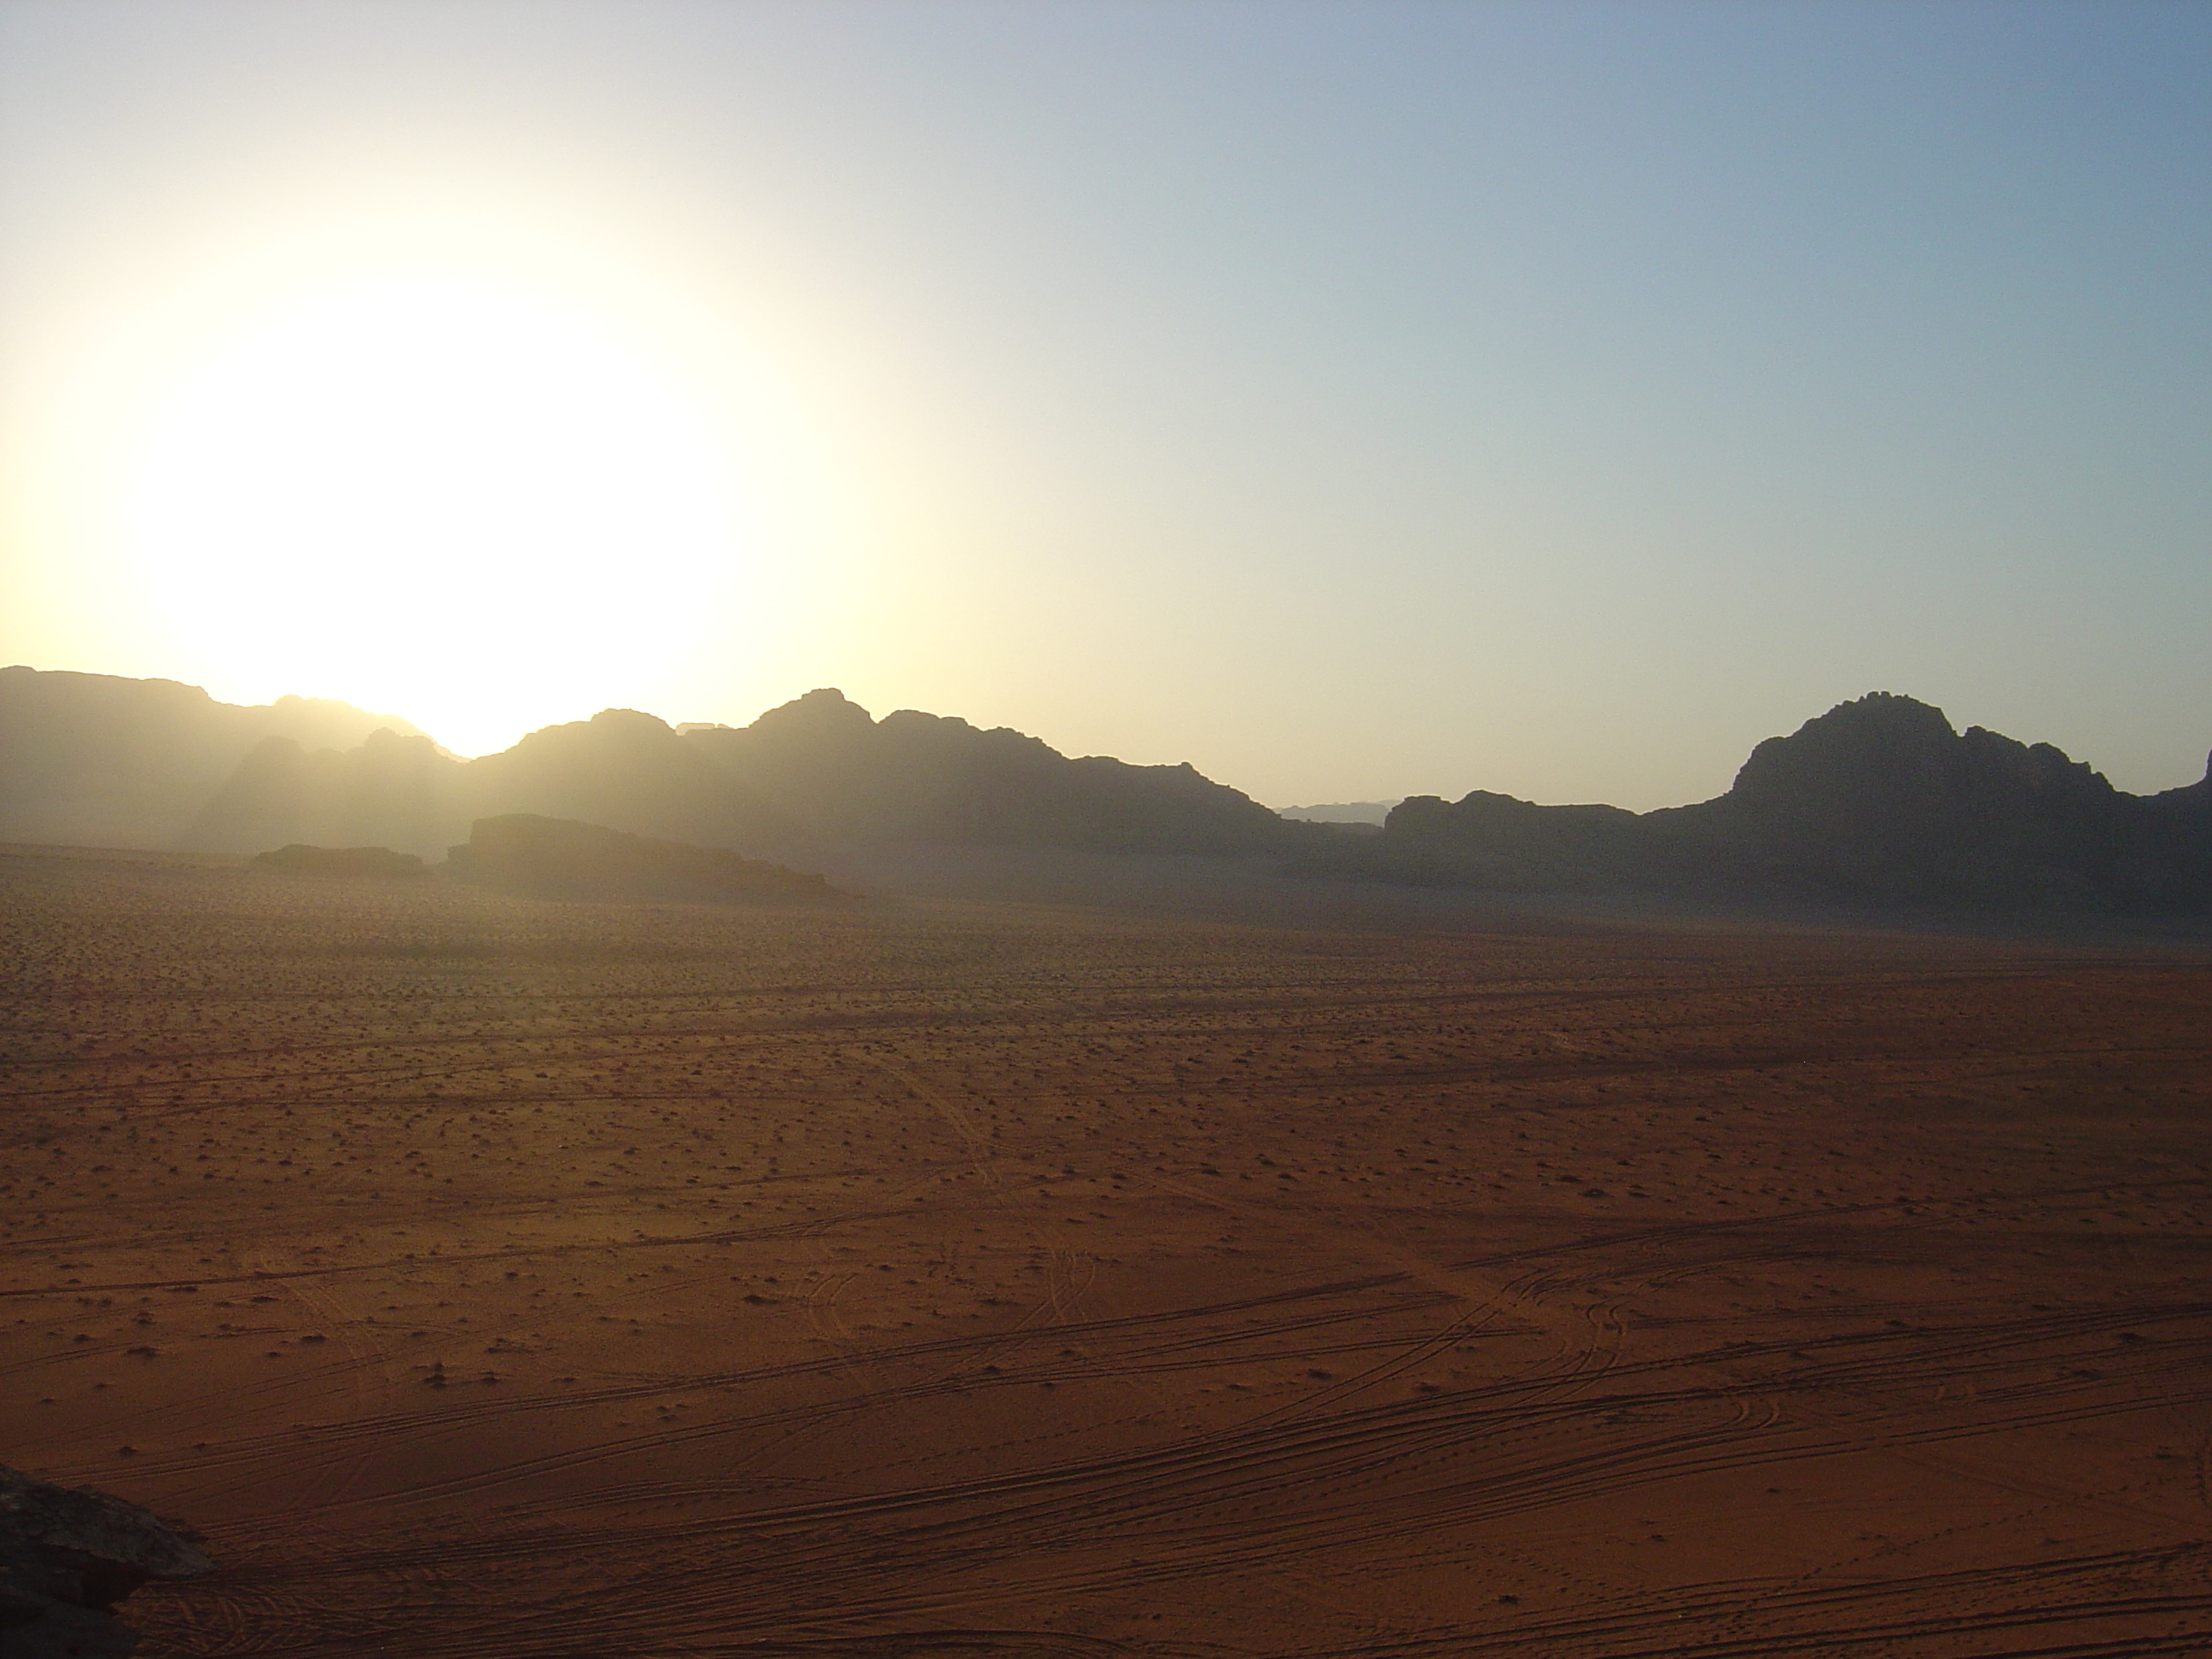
[387, 791]
[831, 768]
[99, 760]
[629, 771]
[1340, 811]
[1880, 799]
[819, 768]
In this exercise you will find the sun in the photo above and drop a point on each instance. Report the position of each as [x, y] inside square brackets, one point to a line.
[445, 494]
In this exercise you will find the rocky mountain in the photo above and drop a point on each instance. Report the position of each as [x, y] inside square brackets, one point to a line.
[820, 768]
[630, 771]
[837, 773]
[1880, 799]
[386, 790]
[97, 760]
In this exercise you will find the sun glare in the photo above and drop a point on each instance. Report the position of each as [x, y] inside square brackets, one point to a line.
[444, 496]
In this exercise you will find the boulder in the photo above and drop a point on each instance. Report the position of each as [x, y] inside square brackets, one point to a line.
[67, 1556]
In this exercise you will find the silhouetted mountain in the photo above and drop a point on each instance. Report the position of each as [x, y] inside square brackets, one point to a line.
[1488, 839]
[390, 791]
[816, 769]
[1878, 800]
[558, 858]
[911, 776]
[620, 768]
[1881, 798]
[97, 760]
[629, 771]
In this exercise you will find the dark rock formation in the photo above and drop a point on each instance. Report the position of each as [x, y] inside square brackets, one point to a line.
[380, 861]
[67, 1556]
[1878, 800]
[559, 858]
[97, 760]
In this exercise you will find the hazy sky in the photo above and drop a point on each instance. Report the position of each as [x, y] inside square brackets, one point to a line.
[1351, 399]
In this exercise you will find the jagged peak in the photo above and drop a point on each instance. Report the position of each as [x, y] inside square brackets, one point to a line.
[1883, 711]
[1882, 729]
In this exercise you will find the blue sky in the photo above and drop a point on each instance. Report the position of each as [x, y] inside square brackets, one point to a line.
[1353, 399]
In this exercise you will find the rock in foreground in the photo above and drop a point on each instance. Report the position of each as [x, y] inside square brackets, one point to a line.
[560, 858]
[67, 1556]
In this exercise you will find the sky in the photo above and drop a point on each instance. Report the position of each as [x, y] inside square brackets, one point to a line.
[1351, 399]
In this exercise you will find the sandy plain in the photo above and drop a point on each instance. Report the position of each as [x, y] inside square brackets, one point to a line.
[486, 1277]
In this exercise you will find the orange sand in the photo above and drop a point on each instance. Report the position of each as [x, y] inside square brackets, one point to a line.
[494, 1278]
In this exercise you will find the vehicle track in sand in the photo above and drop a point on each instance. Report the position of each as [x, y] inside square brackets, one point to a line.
[1029, 1283]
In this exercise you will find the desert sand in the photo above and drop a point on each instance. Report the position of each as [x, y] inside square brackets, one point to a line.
[484, 1277]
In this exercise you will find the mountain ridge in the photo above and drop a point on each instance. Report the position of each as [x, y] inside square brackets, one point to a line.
[819, 768]
[1879, 800]
[104, 760]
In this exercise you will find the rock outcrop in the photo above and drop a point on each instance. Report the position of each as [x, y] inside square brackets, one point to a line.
[1486, 839]
[560, 858]
[67, 1556]
[373, 862]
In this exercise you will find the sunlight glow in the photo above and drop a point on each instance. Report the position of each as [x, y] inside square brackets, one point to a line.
[444, 496]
